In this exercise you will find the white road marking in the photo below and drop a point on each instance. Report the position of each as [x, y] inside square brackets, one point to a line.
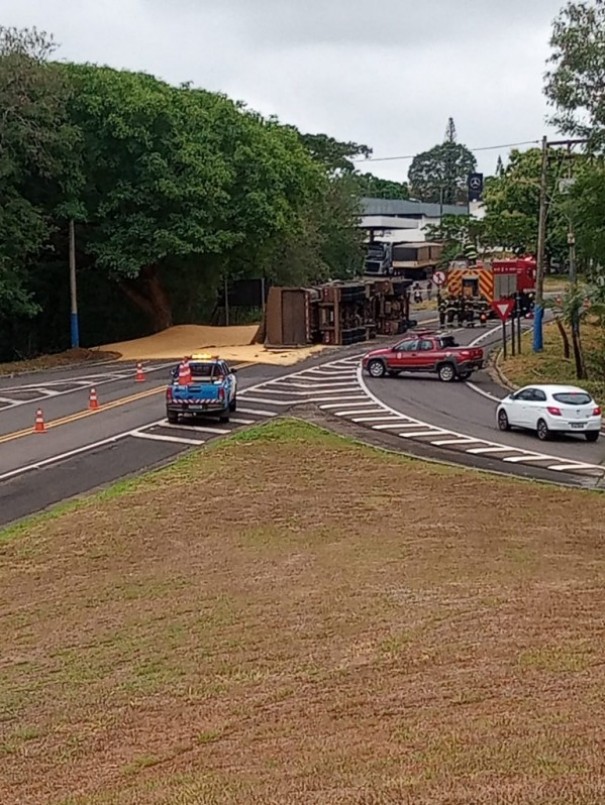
[374, 418]
[493, 449]
[265, 400]
[158, 437]
[195, 428]
[256, 411]
[342, 399]
[432, 432]
[358, 410]
[459, 441]
[483, 393]
[577, 466]
[36, 465]
[519, 459]
[239, 421]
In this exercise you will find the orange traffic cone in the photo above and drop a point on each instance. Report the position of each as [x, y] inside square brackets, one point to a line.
[93, 400]
[140, 376]
[185, 373]
[39, 426]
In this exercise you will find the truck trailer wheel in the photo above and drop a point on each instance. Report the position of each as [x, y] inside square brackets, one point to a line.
[446, 372]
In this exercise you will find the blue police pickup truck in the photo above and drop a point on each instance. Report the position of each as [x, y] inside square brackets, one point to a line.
[204, 386]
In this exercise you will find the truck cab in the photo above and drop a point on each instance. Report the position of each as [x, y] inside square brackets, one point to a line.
[210, 390]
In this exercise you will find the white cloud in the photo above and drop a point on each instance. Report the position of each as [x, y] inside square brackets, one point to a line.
[387, 75]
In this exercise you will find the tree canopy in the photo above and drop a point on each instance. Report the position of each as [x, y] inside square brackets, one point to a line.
[440, 174]
[575, 84]
[36, 158]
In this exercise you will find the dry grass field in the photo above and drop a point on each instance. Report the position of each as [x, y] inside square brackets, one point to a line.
[290, 618]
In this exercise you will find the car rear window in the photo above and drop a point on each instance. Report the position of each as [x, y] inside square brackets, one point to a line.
[447, 341]
[572, 398]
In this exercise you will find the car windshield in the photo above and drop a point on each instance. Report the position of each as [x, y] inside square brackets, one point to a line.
[573, 397]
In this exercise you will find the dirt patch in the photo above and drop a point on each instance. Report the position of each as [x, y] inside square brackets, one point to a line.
[551, 366]
[233, 344]
[288, 618]
[67, 358]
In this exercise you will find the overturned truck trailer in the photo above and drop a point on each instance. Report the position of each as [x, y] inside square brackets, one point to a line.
[337, 313]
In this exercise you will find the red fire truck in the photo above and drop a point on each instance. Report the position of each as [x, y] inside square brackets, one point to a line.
[493, 279]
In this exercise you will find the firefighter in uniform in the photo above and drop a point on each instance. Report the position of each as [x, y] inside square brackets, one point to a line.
[442, 308]
[456, 316]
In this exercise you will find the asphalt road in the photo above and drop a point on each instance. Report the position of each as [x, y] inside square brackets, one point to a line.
[469, 408]
[82, 450]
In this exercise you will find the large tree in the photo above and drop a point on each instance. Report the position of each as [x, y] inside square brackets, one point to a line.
[37, 169]
[575, 84]
[179, 173]
[512, 204]
[367, 184]
[334, 155]
[440, 174]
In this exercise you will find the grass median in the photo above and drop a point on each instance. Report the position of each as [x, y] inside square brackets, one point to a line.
[551, 366]
[290, 618]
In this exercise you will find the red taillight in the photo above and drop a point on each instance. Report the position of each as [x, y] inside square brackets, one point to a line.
[597, 411]
[553, 411]
[221, 394]
[169, 394]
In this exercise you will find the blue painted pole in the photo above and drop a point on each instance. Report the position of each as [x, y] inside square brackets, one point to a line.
[538, 343]
[73, 291]
[75, 330]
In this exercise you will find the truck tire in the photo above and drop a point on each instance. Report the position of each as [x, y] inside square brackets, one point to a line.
[376, 368]
[224, 418]
[172, 417]
[233, 405]
[446, 372]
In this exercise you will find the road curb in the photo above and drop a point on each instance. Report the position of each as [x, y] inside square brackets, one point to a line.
[63, 367]
[496, 373]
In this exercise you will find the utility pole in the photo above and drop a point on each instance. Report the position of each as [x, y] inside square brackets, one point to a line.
[226, 293]
[73, 290]
[538, 343]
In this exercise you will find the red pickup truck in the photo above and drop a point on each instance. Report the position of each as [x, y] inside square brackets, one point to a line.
[422, 352]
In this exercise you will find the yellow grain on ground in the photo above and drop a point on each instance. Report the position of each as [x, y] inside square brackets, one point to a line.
[231, 343]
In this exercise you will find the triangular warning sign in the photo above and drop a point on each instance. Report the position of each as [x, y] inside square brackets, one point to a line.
[503, 308]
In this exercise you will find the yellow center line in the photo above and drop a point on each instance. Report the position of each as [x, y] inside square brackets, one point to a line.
[66, 420]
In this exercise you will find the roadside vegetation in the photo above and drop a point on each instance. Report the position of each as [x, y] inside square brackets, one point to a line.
[292, 618]
[552, 366]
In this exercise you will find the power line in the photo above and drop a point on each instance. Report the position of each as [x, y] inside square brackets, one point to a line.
[482, 148]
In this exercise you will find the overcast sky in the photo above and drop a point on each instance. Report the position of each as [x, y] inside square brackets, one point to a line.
[387, 74]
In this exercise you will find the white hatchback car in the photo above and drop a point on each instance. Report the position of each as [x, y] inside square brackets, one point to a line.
[551, 409]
